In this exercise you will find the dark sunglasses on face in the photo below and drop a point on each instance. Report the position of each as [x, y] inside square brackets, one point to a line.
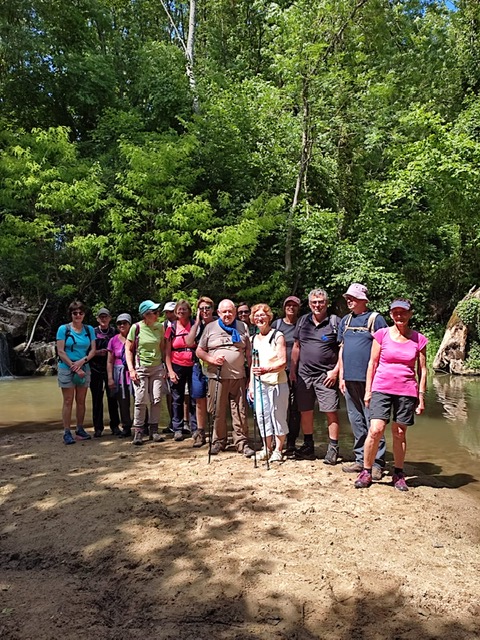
[120, 324]
[244, 313]
[78, 313]
[205, 308]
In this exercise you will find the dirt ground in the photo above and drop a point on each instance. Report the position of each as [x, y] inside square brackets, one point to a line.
[108, 541]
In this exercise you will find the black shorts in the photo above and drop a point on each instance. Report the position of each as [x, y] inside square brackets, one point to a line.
[382, 404]
[311, 389]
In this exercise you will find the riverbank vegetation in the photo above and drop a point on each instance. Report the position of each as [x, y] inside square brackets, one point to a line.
[241, 147]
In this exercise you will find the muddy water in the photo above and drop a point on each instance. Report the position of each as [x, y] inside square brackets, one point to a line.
[444, 443]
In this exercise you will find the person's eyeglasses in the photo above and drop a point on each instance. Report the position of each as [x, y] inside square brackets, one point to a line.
[120, 324]
[205, 308]
[243, 313]
[259, 317]
[320, 303]
[78, 313]
[155, 313]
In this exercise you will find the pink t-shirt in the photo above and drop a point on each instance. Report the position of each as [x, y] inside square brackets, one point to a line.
[395, 373]
[115, 346]
[181, 354]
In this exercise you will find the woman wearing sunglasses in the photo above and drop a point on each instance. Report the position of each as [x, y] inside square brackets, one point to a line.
[198, 389]
[75, 347]
[144, 356]
[179, 358]
[118, 377]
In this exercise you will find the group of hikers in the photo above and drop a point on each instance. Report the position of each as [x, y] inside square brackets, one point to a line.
[207, 364]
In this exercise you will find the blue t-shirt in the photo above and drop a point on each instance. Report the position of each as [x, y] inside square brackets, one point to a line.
[77, 345]
[357, 344]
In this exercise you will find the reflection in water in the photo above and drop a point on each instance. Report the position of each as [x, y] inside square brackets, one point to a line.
[444, 443]
[460, 398]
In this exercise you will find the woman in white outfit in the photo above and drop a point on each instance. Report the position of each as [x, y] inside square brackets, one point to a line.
[268, 383]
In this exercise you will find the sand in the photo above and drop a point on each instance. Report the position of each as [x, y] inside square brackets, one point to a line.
[108, 541]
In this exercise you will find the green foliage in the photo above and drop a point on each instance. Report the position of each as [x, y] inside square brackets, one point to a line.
[468, 311]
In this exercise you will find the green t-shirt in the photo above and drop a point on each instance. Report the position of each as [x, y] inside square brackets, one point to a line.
[150, 340]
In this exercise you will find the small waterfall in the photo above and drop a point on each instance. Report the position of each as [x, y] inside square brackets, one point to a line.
[4, 357]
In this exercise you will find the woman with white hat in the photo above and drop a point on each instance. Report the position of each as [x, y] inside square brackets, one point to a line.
[118, 377]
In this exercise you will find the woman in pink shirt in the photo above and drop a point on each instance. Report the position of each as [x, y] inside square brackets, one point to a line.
[398, 355]
[179, 358]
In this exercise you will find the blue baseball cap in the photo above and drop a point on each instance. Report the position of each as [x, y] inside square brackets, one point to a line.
[147, 305]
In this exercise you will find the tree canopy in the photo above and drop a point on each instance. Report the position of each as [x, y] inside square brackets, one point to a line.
[241, 147]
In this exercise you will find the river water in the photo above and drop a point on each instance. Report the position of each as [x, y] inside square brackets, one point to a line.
[444, 443]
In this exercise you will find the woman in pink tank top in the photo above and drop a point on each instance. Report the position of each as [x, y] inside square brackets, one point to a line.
[396, 382]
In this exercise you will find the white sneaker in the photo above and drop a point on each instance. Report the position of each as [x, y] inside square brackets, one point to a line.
[276, 456]
[264, 454]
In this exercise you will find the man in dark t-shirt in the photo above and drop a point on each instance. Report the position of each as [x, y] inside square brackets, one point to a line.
[355, 337]
[314, 368]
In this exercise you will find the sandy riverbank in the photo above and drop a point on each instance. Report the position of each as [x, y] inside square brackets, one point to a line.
[103, 540]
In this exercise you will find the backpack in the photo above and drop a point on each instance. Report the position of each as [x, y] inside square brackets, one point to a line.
[135, 345]
[370, 323]
[69, 334]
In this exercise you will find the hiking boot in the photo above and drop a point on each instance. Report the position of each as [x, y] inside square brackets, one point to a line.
[138, 437]
[364, 480]
[146, 430]
[178, 436]
[216, 449]
[68, 438]
[199, 438]
[290, 451]
[264, 454]
[81, 434]
[276, 456]
[126, 432]
[377, 473]
[248, 452]
[168, 430]
[399, 482]
[116, 431]
[331, 455]
[156, 437]
[352, 467]
[305, 452]
[97, 433]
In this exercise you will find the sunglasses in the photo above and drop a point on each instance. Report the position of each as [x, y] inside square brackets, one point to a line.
[244, 313]
[120, 324]
[155, 313]
[205, 308]
[78, 313]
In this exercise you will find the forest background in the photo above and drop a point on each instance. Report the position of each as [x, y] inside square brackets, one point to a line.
[157, 149]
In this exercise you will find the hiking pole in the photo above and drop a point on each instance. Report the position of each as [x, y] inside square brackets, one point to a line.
[211, 422]
[255, 424]
[256, 361]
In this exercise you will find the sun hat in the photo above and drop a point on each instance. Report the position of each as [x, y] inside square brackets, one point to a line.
[125, 316]
[293, 299]
[358, 291]
[169, 306]
[147, 305]
[402, 304]
[103, 312]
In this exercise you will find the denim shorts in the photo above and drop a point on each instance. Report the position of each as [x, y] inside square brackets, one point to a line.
[66, 381]
[403, 407]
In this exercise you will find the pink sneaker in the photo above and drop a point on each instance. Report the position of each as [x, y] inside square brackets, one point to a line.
[399, 482]
[364, 480]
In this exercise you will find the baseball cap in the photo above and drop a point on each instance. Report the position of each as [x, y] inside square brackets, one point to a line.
[103, 312]
[125, 316]
[402, 304]
[293, 299]
[147, 305]
[169, 306]
[358, 291]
